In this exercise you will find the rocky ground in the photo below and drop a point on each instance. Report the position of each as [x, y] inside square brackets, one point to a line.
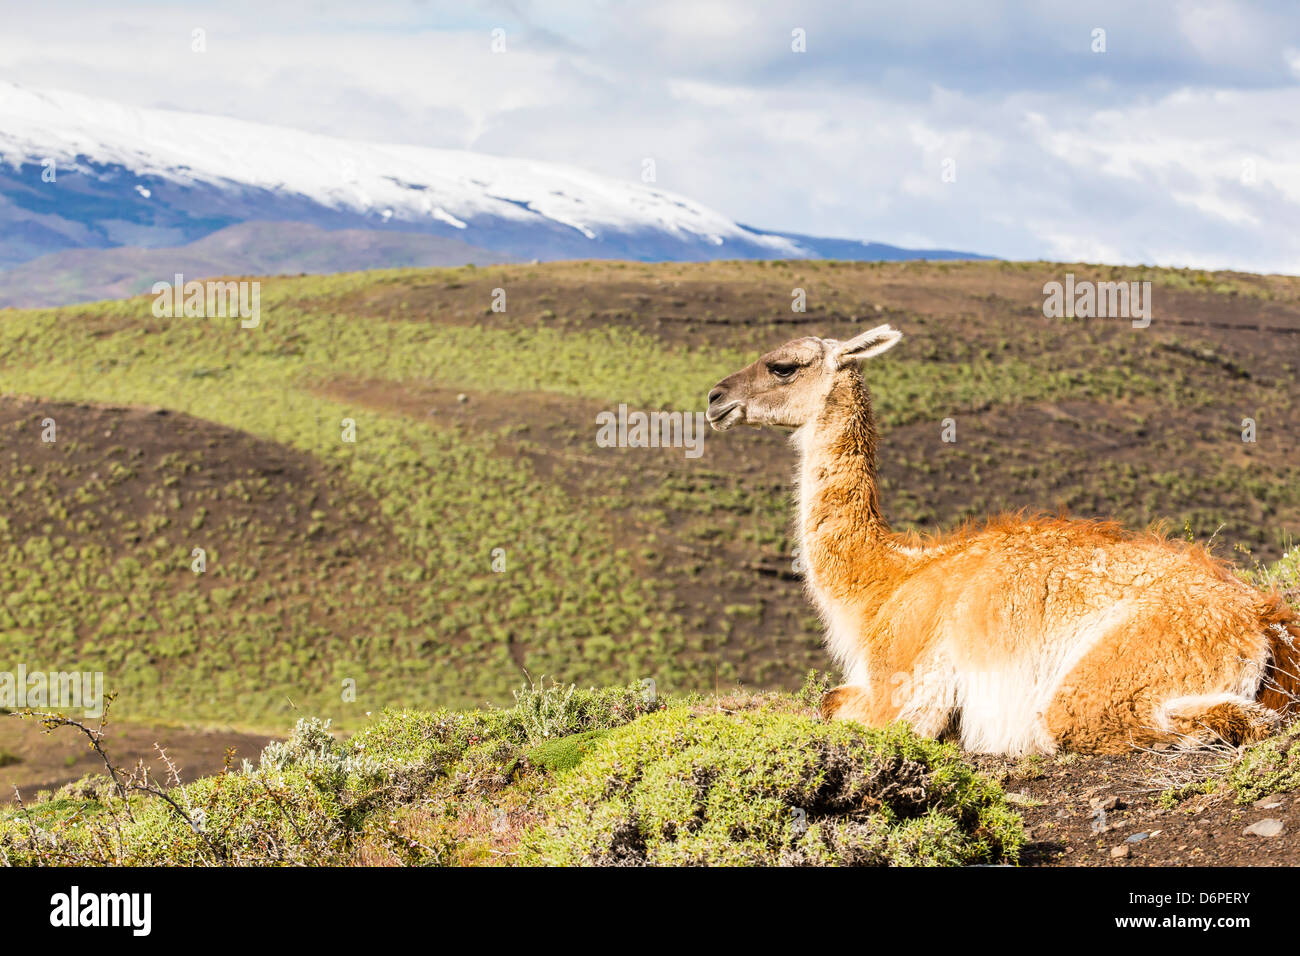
[1107, 811]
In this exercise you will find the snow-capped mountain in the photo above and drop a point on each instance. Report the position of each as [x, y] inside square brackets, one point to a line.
[78, 172]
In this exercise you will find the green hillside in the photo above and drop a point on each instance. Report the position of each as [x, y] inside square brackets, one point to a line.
[330, 562]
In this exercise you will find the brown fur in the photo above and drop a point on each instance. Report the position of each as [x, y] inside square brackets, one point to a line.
[1026, 633]
[1281, 686]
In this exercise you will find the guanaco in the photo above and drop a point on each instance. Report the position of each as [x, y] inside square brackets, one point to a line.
[1020, 635]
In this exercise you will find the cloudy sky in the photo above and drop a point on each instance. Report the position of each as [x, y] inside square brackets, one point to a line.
[996, 127]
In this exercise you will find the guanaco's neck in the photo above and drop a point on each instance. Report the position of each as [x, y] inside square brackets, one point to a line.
[843, 532]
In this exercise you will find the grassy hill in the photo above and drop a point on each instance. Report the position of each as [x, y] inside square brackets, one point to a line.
[371, 561]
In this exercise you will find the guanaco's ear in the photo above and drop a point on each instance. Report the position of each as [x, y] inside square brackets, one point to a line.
[870, 343]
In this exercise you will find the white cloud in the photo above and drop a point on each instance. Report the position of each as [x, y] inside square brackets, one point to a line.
[1292, 58]
[1134, 155]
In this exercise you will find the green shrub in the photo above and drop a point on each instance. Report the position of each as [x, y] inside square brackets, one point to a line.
[544, 712]
[565, 753]
[740, 779]
[681, 787]
[1270, 766]
[312, 749]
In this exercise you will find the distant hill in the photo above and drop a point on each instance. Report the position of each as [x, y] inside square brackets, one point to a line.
[82, 173]
[250, 248]
[859, 250]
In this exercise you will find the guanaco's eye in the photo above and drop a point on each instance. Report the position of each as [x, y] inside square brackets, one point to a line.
[783, 369]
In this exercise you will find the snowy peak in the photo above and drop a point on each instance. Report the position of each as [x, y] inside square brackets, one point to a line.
[421, 187]
[79, 173]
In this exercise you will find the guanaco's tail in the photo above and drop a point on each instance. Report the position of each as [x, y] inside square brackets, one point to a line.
[1201, 719]
[1232, 718]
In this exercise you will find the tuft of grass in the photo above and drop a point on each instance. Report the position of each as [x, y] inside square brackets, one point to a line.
[543, 712]
[1282, 575]
[1172, 797]
[1031, 767]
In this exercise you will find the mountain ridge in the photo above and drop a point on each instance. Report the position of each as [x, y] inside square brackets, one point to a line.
[77, 172]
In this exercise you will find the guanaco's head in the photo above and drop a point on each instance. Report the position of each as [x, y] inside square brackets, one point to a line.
[788, 386]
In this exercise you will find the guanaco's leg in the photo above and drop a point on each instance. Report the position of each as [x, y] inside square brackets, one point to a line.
[850, 702]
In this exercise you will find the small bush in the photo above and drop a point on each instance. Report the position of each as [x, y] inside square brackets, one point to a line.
[312, 749]
[548, 712]
[1270, 766]
[765, 788]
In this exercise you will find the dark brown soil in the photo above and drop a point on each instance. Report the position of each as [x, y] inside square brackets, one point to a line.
[109, 463]
[35, 760]
[1079, 809]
